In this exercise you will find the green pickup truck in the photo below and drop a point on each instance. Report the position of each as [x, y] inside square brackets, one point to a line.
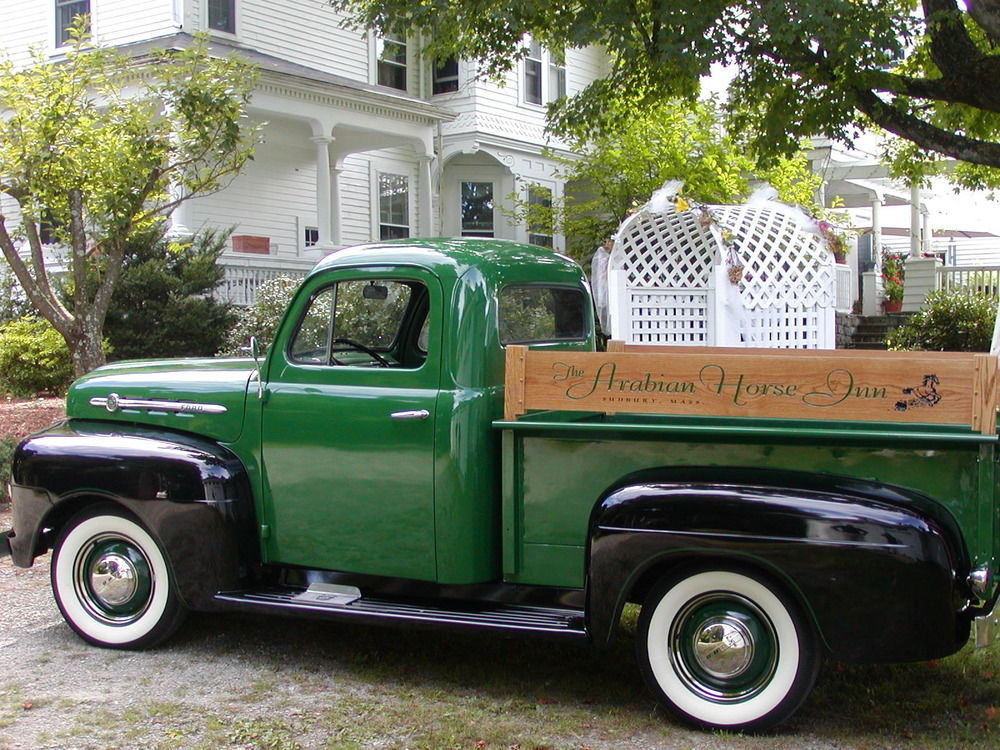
[433, 439]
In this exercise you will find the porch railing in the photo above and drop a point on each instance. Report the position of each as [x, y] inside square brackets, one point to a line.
[985, 279]
[844, 284]
[244, 275]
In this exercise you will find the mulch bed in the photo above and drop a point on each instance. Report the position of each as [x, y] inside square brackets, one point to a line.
[20, 417]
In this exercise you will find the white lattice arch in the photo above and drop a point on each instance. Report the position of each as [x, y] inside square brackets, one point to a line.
[669, 278]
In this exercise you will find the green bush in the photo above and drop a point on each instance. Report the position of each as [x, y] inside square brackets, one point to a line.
[7, 446]
[34, 359]
[162, 305]
[949, 321]
[261, 319]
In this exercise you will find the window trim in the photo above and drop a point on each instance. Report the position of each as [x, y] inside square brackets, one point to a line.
[379, 223]
[532, 231]
[461, 212]
[378, 46]
[529, 63]
[456, 78]
[234, 15]
[61, 39]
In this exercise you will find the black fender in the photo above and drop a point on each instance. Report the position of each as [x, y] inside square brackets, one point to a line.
[192, 494]
[878, 568]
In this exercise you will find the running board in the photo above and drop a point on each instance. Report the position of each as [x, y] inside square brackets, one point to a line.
[346, 602]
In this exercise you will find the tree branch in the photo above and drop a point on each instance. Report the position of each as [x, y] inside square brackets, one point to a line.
[924, 134]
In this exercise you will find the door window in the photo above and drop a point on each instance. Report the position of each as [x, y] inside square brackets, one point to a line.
[361, 323]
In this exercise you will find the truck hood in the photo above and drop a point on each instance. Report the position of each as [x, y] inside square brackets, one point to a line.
[203, 396]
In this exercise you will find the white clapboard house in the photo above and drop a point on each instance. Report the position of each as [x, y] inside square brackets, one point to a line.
[363, 140]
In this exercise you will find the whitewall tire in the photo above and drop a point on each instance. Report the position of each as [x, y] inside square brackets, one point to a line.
[112, 582]
[726, 649]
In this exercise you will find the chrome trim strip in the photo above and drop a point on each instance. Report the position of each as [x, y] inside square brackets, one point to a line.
[114, 402]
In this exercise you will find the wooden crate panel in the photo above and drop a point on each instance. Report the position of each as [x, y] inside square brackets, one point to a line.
[915, 387]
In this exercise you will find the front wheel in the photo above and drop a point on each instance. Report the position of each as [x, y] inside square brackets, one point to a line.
[725, 649]
[112, 582]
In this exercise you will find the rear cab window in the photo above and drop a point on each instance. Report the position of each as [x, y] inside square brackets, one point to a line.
[535, 314]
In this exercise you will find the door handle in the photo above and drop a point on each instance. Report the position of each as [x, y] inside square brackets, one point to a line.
[412, 414]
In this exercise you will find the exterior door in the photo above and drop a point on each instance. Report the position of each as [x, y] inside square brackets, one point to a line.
[348, 426]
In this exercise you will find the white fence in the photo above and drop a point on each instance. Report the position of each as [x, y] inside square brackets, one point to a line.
[244, 276]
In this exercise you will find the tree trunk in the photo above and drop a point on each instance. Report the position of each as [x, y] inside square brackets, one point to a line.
[85, 347]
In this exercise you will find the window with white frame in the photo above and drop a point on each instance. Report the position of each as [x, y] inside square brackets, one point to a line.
[477, 209]
[66, 11]
[445, 77]
[533, 74]
[557, 75]
[540, 215]
[393, 206]
[310, 236]
[222, 15]
[544, 74]
[391, 61]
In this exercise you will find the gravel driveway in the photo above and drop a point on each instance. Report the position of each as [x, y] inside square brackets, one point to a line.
[228, 681]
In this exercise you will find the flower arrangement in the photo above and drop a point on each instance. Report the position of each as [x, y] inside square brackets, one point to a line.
[892, 277]
[835, 241]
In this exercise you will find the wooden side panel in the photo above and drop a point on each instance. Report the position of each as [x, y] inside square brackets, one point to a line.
[514, 377]
[909, 387]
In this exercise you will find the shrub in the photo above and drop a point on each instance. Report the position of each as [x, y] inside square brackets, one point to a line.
[162, 306]
[261, 319]
[34, 359]
[7, 445]
[952, 320]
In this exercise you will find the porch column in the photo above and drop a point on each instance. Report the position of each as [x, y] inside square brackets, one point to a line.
[877, 231]
[926, 236]
[425, 209]
[336, 238]
[915, 220]
[324, 193]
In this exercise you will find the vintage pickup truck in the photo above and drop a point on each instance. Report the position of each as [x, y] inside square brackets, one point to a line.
[432, 439]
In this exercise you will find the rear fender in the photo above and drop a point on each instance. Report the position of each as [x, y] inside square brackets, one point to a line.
[876, 571]
[192, 494]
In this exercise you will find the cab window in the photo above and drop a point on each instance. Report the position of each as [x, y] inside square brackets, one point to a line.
[538, 314]
[363, 323]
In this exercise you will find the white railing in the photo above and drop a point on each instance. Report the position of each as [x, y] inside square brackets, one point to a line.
[245, 274]
[984, 279]
[844, 285]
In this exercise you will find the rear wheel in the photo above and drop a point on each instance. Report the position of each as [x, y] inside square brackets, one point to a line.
[726, 649]
[111, 581]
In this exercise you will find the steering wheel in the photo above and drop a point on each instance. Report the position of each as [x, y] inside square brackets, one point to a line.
[382, 361]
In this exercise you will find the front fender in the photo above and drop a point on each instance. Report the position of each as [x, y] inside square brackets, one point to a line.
[878, 574]
[192, 494]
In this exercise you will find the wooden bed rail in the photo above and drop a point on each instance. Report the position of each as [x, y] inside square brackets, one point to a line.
[948, 388]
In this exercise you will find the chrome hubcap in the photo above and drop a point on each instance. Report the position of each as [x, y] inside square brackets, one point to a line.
[723, 647]
[113, 579]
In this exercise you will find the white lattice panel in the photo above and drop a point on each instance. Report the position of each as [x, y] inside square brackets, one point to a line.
[664, 251]
[664, 264]
[783, 264]
[675, 317]
[783, 327]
